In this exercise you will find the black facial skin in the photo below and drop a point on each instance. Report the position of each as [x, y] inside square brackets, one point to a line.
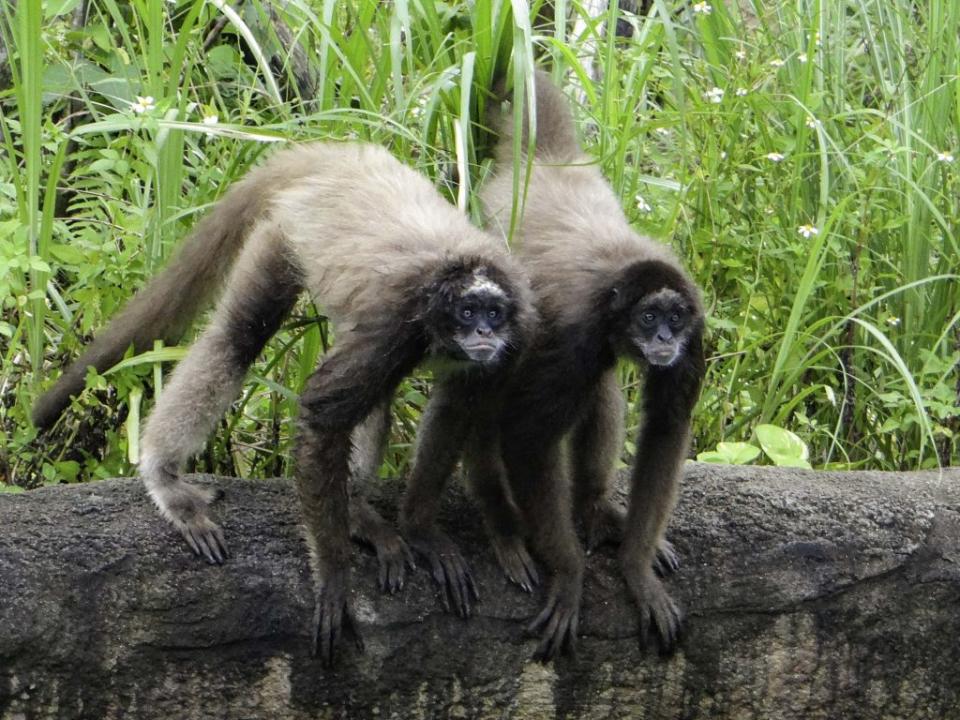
[479, 317]
[659, 327]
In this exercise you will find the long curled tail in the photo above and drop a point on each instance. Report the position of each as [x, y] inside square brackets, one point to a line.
[165, 308]
[556, 134]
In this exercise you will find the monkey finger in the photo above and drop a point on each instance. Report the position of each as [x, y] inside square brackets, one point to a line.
[204, 548]
[472, 584]
[547, 648]
[408, 556]
[530, 568]
[352, 627]
[191, 542]
[221, 540]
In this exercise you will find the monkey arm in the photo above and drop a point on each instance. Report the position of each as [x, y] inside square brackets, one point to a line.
[440, 439]
[536, 416]
[487, 478]
[362, 371]
[670, 394]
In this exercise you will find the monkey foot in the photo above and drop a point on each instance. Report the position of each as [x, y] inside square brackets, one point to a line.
[558, 621]
[603, 522]
[659, 614]
[448, 568]
[515, 561]
[667, 561]
[333, 618]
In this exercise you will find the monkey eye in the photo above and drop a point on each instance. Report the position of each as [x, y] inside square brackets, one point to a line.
[466, 313]
[675, 318]
[493, 314]
[648, 318]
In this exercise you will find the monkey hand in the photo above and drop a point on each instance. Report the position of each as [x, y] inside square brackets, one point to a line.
[393, 557]
[557, 622]
[515, 561]
[332, 617]
[187, 511]
[658, 612]
[448, 567]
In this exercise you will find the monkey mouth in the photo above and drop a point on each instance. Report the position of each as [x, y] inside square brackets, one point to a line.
[661, 356]
[482, 352]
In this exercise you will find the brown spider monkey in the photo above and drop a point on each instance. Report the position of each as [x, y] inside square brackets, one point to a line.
[603, 292]
[402, 275]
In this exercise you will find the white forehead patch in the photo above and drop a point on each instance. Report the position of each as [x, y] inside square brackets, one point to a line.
[484, 284]
[664, 295]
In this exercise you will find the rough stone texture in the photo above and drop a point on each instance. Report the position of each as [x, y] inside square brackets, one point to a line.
[809, 595]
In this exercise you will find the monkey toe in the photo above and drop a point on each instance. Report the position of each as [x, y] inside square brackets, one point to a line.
[516, 562]
[557, 623]
[660, 618]
[332, 620]
[667, 561]
[449, 569]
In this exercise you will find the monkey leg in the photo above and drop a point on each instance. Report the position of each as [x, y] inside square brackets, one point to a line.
[669, 396]
[487, 478]
[595, 448]
[260, 292]
[366, 524]
[358, 375]
[440, 440]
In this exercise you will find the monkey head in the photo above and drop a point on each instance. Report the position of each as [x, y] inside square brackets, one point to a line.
[470, 315]
[656, 311]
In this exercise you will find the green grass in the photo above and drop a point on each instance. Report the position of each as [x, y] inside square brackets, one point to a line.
[847, 334]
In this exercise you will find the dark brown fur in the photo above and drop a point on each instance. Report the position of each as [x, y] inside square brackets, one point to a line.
[591, 273]
[389, 260]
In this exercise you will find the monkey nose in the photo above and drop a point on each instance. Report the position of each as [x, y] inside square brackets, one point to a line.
[484, 331]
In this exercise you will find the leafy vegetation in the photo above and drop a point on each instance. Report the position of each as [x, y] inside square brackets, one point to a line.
[800, 155]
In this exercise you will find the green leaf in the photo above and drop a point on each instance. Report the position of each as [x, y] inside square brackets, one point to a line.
[731, 453]
[783, 446]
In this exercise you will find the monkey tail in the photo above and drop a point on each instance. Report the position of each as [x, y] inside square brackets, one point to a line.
[168, 304]
[556, 134]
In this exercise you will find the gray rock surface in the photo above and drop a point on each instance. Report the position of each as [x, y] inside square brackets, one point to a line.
[808, 595]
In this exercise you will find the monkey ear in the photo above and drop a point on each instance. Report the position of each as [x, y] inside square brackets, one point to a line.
[618, 300]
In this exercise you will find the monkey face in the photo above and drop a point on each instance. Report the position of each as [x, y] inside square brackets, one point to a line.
[481, 328]
[659, 327]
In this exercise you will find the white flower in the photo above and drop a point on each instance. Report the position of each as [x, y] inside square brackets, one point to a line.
[808, 231]
[662, 131]
[210, 120]
[816, 39]
[643, 205]
[811, 122]
[802, 57]
[702, 8]
[777, 63]
[723, 154]
[775, 156]
[740, 54]
[945, 157]
[893, 321]
[714, 95]
[741, 92]
[143, 104]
